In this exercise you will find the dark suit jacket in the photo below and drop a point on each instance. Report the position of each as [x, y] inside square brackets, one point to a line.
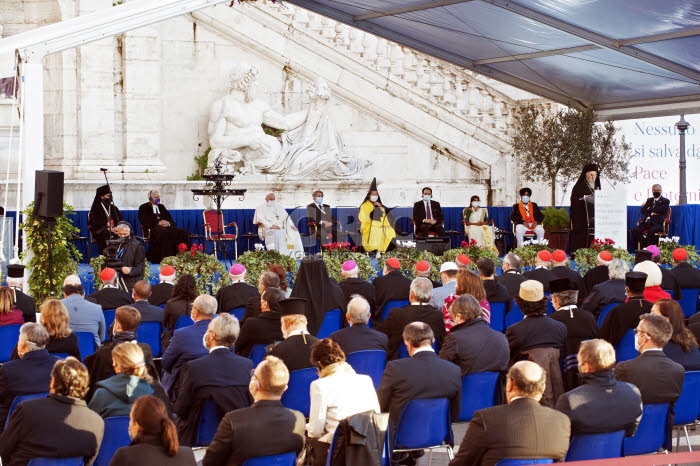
[351, 286]
[359, 337]
[542, 275]
[475, 347]
[659, 379]
[314, 214]
[54, 427]
[511, 280]
[622, 318]
[660, 208]
[134, 256]
[295, 351]
[669, 282]
[252, 309]
[264, 329]
[110, 298]
[160, 293]
[235, 295]
[185, 345]
[422, 376]
[398, 318]
[521, 429]
[393, 285]
[266, 428]
[536, 213]
[150, 220]
[419, 213]
[611, 291]
[563, 271]
[685, 274]
[152, 451]
[535, 332]
[25, 304]
[595, 276]
[149, 312]
[496, 292]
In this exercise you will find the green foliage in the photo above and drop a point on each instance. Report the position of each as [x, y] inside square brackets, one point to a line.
[474, 253]
[207, 270]
[528, 252]
[585, 258]
[611, 152]
[64, 254]
[257, 262]
[409, 257]
[202, 161]
[555, 219]
[98, 263]
[667, 245]
[334, 261]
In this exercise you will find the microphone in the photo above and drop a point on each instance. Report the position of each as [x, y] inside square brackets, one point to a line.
[103, 169]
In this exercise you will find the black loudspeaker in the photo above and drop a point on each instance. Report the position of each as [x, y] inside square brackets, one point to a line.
[435, 245]
[48, 193]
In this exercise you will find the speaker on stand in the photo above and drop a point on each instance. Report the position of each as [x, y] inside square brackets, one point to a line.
[48, 204]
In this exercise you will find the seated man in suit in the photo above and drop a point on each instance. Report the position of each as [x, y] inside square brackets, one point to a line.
[685, 274]
[238, 292]
[561, 269]
[29, 374]
[149, 312]
[83, 315]
[472, 344]
[601, 404]
[359, 337]
[186, 343]
[321, 214]
[352, 284]
[422, 269]
[265, 328]
[266, 428]
[610, 291]
[266, 280]
[132, 255]
[511, 277]
[220, 376]
[625, 316]
[541, 271]
[418, 310]
[427, 215]
[526, 216]
[390, 286]
[520, 429]
[295, 350]
[15, 280]
[658, 378]
[652, 218]
[164, 235]
[110, 296]
[600, 273]
[161, 292]
[495, 292]
[448, 276]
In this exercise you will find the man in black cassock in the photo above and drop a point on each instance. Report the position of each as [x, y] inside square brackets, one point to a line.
[103, 217]
[582, 198]
[164, 236]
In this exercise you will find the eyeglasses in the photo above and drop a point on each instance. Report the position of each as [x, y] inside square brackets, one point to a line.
[638, 331]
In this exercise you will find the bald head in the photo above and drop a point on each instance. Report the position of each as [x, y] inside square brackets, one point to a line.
[525, 378]
[72, 280]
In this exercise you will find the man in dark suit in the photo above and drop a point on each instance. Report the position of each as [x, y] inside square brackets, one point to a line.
[526, 216]
[624, 317]
[29, 374]
[427, 215]
[598, 274]
[266, 428]
[610, 291]
[472, 344]
[220, 376]
[266, 280]
[423, 375]
[295, 350]
[321, 215]
[520, 429]
[560, 269]
[495, 292]
[359, 337]
[652, 218]
[659, 379]
[238, 292]
[15, 280]
[58, 426]
[511, 277]
[391, 285]
[161, 292]
[541, 272]
[352, 284]
[685, 274]
[186, 343]
[149, 312]
[110, 296]
[164, 236]
[265, 328]
[419, 310]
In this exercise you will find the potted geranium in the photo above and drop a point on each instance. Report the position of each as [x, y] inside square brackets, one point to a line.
[585, 258]
[206, 268]
[528, 251]
[556, 227]
[257, 262]
[334, 254]
[473, 252]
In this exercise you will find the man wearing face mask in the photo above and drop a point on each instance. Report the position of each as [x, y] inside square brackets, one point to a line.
[103, 217]
[582, 205]
[526, 216]
[427, 215]
[164, 237]
[321, 216]
[652, 218]
[279, 231]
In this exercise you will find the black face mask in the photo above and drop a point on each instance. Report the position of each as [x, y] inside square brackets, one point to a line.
[657, 195]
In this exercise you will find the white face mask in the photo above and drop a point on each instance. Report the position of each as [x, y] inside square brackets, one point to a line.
[475, 204]
[525, 199]
[204, 341]
[271, 203]
[373, 198]
[427, 197]
[636, 342]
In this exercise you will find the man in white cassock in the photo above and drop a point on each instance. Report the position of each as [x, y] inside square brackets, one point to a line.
[280, 233]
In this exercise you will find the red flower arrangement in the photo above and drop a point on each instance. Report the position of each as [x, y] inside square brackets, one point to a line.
[182, 247]
[600, 244]
[338, 245]
[465, 245]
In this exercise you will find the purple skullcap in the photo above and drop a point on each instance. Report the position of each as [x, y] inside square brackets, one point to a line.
[349, 265]
[236, 269]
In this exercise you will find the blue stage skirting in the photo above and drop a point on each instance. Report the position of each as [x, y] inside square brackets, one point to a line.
[684, 222]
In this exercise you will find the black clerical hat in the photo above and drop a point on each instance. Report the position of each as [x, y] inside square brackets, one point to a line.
[293, 306]
[641, 256]
[15, 271]
[102, 190]
[636, 280]
[561, 284]
[526, 190]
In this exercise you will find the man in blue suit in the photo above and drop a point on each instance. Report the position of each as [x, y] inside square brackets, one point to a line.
[186, 343]
[359, 337]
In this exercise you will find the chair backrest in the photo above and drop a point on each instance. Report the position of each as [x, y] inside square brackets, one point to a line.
[110, 315]
[86, 343]
[297, 395]
[9, 335]
[515, 315]
[332, 322]
[604, 312]
[689, 301]
[149, 332]
[237, 312]
[183, 321]
[212, 224]
[56, 462]
[522, 461]
[687, 408]
[423, 423]
[498, 316]
[479, 391]
[596, 446]
[257, 353]
[368, 362]
[283, 459]
[208, 423]
[20, 398]
[392, 304]
[403, 351]
[60, 355]
[624, 350]
[652, 432]
[116, 436]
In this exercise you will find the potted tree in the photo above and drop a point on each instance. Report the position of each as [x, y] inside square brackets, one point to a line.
[556, 227]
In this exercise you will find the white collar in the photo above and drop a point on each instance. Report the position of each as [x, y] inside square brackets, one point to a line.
[423, 349]
[217, 347]
[302, 331]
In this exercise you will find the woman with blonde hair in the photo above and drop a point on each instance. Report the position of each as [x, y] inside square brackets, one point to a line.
[467, 283]
[9, 314]
[55, 319]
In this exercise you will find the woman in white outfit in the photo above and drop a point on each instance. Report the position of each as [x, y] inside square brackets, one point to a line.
[476, 224]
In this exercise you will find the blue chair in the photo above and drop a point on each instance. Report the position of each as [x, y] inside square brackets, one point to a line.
[652, 433]
[208, 423]
[116, 436]
[624, 350]
[183, 321]
[149, 332]
[237, 312]
[604, 312]
[403, 351]
[257, 353]
[283, 459]
[110, 315]
[498, 316]
[60, 355]
[550, 304]
[368, 362]
[55, 462]
[424, 423]
[689, 301]
[521, 461]
[20, 398]
[479, 391]
[393, 304]
[86, 343]
[515, 315]
[297, 395]
[596, 446]
[331, 323]
[687, 407]
[9, 335]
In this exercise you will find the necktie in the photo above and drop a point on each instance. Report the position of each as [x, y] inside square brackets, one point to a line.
[428, 213]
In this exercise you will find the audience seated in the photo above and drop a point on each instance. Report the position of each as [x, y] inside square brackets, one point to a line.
[352, 284]
[652, 291]
[523, 428]
[83, 316]
[467, 283]
[668, 279]
[265, 328]
[321, 292]
[418, 310]
[337, 394]
[266, 280]
[685, 274]
[422, 269]
[624, 317]
[153, 438]
[359, 337]
[237, 293]
[682, 347]
[601, 404]
[110, 296]
[220, 376]
[184, 294]
[561, 269]
[58, 426]
[541, 271]
[511, 277]
[448, 278]
[295, 350]
[390, 286]
[472, 344]
[162, 291]
[610, 291]
[266, 428]
[54, 318]
[600, 273]
[15, 281]
[8, 313]
[149, 312]
[495, 291]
